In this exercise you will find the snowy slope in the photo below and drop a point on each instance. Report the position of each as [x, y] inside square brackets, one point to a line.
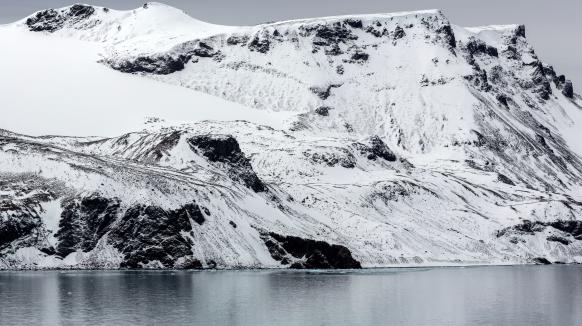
[63, 83]
[373, 140]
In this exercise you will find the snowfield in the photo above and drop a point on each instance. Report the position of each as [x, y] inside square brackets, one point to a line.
[337, 142]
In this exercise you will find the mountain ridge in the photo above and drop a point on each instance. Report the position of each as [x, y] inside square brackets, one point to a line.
[370, 141]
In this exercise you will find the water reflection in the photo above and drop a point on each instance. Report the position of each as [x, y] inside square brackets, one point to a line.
[441, 296]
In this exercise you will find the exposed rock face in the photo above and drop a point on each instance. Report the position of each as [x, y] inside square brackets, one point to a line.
[305, 253]
[378, 149]
[568, 89]
[477, 47]
[52, 20]
[541, 261]
[145, 235]
[339, 157]
[323, 111]
[503, 178]
[571, 228]
[225, 149]
[161, 64]
[17, 223]
[261, 45]
[149, 234]
[399, 33]
[324, 92]
[84, 221]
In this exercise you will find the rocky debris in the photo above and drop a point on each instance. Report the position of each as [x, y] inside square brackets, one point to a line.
[51, 20]
[156, 64]
[323, 111]
[302, 253]
[226, 150]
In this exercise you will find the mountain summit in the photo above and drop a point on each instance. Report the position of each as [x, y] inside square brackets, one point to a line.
[335, 142]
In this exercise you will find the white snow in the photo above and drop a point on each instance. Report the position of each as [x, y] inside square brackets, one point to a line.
[59, 88]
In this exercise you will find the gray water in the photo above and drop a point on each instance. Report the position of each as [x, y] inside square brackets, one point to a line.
[526, 295]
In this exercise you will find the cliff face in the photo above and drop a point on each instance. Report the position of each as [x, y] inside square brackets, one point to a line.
[392, 139]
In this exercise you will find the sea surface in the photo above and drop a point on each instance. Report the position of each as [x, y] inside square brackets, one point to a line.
[508, 295]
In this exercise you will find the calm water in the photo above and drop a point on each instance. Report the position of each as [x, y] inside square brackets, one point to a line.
[534, 295]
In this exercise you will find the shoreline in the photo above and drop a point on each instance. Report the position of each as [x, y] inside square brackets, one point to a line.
[274, 269]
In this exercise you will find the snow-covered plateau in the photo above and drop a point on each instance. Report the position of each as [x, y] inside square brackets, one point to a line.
[149, 139]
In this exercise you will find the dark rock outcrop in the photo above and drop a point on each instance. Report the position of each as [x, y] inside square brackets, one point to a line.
[237, 40]
[323, 111]
[17, 222]
[48, 20]
[477, 47]
[561, 240]
[360, 57]
[204, 50]
[84, 221]
[51, 20]
[378, 149]
[226, 150]
[572, 228]
[568, 89]
[81, 11]
[503, 178]
[143, 234]
[326, 35]
[260, 44]
[158, 64]
[342, 158]
[541, 261]
[399, 33]
[446, 33]
[147, 234]
[302, 253]
[323, 92]
[354, 23]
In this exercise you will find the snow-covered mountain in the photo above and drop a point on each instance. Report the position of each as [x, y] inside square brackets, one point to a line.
[337, 142]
